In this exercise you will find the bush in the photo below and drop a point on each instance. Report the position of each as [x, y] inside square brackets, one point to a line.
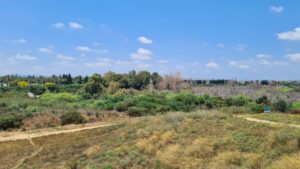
[280, 105]
[239, 100]
[37, 90]
[71, 117]
[120, 107]
[262, 100]
[137, 111]
[51, 87]
[256, 108]
[22, 84]
[2, 104]
[10, 121]
[60, 97]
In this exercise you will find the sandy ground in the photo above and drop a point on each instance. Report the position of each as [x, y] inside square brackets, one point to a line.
[22, 135]
[268, 122]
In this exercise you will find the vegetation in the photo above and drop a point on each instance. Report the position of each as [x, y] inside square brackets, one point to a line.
[71, 117]
[172, 140]
[280, 117]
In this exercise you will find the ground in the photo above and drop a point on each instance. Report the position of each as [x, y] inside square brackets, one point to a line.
[201, 139]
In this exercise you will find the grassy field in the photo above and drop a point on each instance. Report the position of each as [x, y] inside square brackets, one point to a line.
[279, 117]
[202, 139]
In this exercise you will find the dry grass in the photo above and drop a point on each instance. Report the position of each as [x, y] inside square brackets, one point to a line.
[175, 140]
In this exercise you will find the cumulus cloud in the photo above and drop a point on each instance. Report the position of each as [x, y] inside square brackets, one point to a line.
[58, 25]
[24, 57]
[212, 65]
[45, 50]
[101, 62]
[75, 25]
[64, 57]
[142, 54]
[276, 9]
[295, 57]
[83, 49]
[290, 35]
[145, 40]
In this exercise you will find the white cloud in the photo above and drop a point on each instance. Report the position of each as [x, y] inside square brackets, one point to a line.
[220, 45]
[64, 57]
[45, 50]
[233, 63]
[20, 40]
[145, 40]
[101, 62]
[83, 49]
[276, 9]
[290, 35]
[142, 54]
[24, 57]
[58, 25]
[212, 65]
[263, 56]
[295, 57]
[75, 25]
[244, 66]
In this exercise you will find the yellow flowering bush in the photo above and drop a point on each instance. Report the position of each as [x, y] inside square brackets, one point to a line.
[23, 84]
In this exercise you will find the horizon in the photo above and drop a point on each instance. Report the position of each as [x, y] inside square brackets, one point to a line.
[203, 40]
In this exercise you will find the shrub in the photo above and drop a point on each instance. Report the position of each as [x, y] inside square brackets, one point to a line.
[3, 104]
[60, 97]
[262, 100]
[280, 105]
[51, 87]
[240, 100]
[10, 121]
[37, 90]
[295, 111]
[137, 111]
[256, 108]
[120, 107]
[71, 117]
[22, 84]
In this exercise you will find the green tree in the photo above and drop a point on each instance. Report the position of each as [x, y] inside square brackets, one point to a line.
[141, 80]
[96, 85]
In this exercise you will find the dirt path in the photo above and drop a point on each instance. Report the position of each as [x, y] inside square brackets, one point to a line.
[12, 136]
[268, 122]
[36, 152]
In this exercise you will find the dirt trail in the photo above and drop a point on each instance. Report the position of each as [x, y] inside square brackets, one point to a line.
[36, 152]
[12, 136]
[268, 122]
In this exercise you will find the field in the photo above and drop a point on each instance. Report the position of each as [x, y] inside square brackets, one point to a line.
[173, 140]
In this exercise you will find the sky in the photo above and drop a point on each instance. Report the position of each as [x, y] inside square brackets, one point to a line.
[207, 39]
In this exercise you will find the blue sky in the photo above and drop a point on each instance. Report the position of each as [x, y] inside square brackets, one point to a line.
[201, 39]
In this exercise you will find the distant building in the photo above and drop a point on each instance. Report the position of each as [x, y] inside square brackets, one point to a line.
[3, 85]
